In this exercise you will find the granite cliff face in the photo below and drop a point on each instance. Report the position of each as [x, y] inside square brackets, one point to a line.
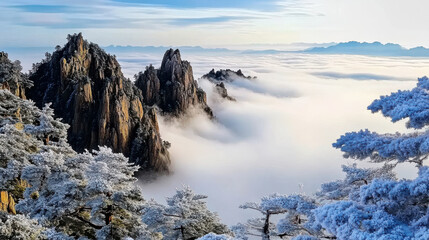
[103, 108]
[11, 77]
[172, 87]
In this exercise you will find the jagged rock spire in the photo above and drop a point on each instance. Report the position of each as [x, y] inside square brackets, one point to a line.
[172, 87]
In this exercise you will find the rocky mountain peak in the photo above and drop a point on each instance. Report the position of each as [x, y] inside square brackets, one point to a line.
[103, 108]
[171, 63]
[172, 87]
[3, 56]
[76, 43]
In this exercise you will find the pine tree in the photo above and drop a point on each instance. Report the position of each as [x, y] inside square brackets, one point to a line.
[374, 205]
[185, 217]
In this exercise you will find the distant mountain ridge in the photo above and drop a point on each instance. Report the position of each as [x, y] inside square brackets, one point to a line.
[370, 49]
[347, 48]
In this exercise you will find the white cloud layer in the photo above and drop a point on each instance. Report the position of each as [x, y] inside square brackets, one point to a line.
[279, 132]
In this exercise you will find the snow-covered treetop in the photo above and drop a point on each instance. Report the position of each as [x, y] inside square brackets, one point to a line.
[14, 109]
[48, 126]
[186, 216]
[297, 219]
[412, 104]
[355, 178]
[10, 72]
[414, 147]
[212, 236]
[298, 203]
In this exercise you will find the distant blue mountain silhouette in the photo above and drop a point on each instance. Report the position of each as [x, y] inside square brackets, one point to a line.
[371, 49]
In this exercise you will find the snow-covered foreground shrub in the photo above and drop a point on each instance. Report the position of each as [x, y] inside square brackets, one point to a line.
[20, 227]
[89, 194]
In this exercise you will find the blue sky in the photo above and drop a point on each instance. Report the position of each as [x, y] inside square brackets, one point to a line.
[212, 22]
[240, 4]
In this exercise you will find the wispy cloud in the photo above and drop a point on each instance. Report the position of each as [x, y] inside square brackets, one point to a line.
[357, 76]
[45, 8]
[135, 14]
[132, 22]
[266, 5]
[207, 20]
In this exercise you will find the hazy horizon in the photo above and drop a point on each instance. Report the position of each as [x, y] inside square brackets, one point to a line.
[207, 23]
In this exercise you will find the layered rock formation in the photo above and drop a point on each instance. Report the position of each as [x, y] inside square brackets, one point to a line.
[172, 87]
[11, 77]
[103, 108]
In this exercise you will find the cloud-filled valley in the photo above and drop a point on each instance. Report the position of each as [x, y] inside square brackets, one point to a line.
[281, 128]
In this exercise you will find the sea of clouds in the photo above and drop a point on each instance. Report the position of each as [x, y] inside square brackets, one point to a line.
[277, 136]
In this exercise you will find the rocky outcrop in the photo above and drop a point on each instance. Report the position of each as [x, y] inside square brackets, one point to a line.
[11, 77]
[7, 203]
[220, 77]
[172, 87]
[223, 92]
[103, 108]
[227, 75]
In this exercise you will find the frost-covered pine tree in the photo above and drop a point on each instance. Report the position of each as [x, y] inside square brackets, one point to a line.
[20, 227]
[11, 76]
[20, 125]
[296, 218]
[89, 194]
[185, 217]
[394, 148]
[369, 203]
[381, 207]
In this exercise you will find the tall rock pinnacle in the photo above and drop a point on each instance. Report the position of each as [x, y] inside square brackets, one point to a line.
[172, 87]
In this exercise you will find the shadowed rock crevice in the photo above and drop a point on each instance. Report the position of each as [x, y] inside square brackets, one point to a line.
[172, 87]
[88, 90]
